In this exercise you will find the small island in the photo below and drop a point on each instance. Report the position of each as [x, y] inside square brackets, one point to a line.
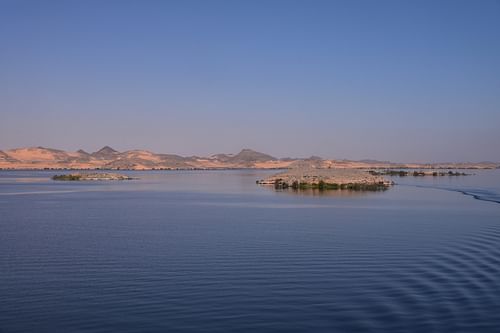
[416, 173]
[327, 179]
[91, 176]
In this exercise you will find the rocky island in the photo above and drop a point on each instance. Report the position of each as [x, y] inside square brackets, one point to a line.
[327, 179]
[91, 176]
[417, 173]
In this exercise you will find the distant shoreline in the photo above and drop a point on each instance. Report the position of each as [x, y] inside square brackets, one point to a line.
[137, 170]
[107, 158]
[242, 168]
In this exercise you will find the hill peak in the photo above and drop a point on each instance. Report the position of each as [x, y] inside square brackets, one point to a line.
[106, 150]
[83, 152]
[105, 153]
[247, 155]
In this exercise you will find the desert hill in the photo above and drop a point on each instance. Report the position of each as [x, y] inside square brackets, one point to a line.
[246, 157]
[109, 158]
[105, 153]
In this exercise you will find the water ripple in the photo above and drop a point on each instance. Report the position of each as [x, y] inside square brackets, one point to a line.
[176, 262]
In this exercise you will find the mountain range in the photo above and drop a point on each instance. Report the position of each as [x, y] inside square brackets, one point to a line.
[109, 158]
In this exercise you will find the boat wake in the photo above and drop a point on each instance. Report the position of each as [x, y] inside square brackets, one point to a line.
[478, 194]
[482, 195]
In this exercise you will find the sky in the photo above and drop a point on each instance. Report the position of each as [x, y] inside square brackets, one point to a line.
[407, 81]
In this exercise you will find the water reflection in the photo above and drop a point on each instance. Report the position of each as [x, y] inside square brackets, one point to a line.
[324, 193]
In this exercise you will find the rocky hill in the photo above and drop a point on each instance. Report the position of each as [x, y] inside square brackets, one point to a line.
[105, 153]
[109, 158]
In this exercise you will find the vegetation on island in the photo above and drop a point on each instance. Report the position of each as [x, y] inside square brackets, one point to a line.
[280, 184]
[67, 177]
[90, 176]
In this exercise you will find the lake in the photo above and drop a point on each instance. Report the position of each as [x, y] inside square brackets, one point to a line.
[211, 251]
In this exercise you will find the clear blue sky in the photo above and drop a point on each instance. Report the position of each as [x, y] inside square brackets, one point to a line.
[390, 80]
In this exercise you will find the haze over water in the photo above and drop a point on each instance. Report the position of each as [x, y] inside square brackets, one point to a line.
[213, 251]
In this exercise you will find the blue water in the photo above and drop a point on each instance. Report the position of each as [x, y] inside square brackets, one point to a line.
[481, 185]
[214, 252]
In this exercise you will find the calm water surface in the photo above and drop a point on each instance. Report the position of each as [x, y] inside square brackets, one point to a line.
[214, 252]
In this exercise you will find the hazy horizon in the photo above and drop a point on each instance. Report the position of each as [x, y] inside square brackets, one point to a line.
[247, 148]
[387, 80]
